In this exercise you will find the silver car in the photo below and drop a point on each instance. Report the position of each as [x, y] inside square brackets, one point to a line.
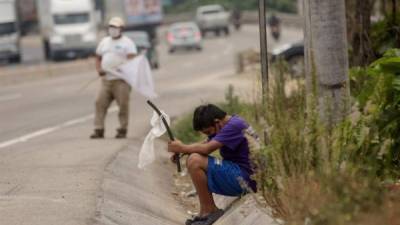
[184, 35]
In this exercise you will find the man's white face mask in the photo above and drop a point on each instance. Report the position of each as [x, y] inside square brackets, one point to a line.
[114, 32]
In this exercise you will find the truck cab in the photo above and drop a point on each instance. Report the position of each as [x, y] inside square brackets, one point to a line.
[9, 32]
[68, 28]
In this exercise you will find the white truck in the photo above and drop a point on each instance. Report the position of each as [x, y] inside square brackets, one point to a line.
[144, 15]
[68, 28]
[9, 32]
[212, 18]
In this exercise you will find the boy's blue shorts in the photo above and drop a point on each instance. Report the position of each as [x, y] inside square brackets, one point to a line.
[223, 177]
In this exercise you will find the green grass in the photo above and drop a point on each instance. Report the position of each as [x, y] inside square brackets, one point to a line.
[183, 130]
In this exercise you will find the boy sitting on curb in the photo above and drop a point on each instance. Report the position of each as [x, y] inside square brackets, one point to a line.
[230, 176]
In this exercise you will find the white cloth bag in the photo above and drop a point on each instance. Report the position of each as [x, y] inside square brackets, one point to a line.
[146, 154]
[137, 73]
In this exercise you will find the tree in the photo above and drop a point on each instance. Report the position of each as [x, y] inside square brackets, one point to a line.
[326, 58]
[358, 14]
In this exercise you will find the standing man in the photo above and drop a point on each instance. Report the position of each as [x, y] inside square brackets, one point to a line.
[113, 51]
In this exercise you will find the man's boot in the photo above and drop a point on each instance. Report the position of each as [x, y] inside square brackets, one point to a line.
[121, 133]
[98, 133]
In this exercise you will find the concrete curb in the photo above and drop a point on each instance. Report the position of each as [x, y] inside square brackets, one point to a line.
[245, 211]
[133, 196]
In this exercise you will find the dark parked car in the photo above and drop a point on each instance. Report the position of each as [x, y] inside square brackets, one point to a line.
[293, 54]
[143, 43]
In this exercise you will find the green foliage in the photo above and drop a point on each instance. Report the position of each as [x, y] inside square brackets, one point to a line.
[383, 34]
[288, 6]
[379, 98]
[344, 167]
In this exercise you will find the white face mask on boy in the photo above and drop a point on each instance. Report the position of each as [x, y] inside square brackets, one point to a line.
[114, 32]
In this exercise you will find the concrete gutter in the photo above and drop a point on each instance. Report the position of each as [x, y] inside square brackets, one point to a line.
[154, 205]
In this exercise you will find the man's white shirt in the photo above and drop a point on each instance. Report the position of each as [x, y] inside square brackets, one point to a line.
[114, 53]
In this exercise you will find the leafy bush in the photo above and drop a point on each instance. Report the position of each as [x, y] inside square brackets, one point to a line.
[320, 176]
[384, 34]
[377, 89]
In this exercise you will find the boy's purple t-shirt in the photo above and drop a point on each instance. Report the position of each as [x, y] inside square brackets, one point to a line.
[235, 147]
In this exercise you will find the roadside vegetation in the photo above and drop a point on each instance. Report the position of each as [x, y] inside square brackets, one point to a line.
[311, 175]
[345, 173]
[288, 6]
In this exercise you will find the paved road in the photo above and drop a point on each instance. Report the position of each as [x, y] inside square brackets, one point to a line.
[36, 105]
[50, 173]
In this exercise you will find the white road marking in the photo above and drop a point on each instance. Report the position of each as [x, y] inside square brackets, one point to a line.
[10, 97]
[48, 130]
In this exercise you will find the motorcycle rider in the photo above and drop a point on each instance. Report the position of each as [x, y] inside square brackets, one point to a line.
[274, 23]
[236, 17]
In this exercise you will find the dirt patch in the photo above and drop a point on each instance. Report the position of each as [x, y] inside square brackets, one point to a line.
[185, 193]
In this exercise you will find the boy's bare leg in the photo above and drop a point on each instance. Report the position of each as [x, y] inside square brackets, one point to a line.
[197, 167]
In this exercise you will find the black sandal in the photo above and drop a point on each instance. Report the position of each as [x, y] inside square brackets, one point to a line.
[194, 219]
[209, 219]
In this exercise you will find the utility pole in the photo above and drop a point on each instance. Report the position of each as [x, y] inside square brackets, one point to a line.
[263, 49]
[263, 58]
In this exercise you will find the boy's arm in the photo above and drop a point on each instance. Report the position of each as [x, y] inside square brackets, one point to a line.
[201, 148]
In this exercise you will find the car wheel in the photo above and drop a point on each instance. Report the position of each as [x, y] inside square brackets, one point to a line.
[199, 48]
[297, 68]
[218, 33]
[171, 50]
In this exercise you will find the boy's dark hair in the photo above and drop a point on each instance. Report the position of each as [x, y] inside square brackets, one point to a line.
[204, 116]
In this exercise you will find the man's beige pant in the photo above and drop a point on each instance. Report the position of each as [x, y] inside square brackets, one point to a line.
[110, 90]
